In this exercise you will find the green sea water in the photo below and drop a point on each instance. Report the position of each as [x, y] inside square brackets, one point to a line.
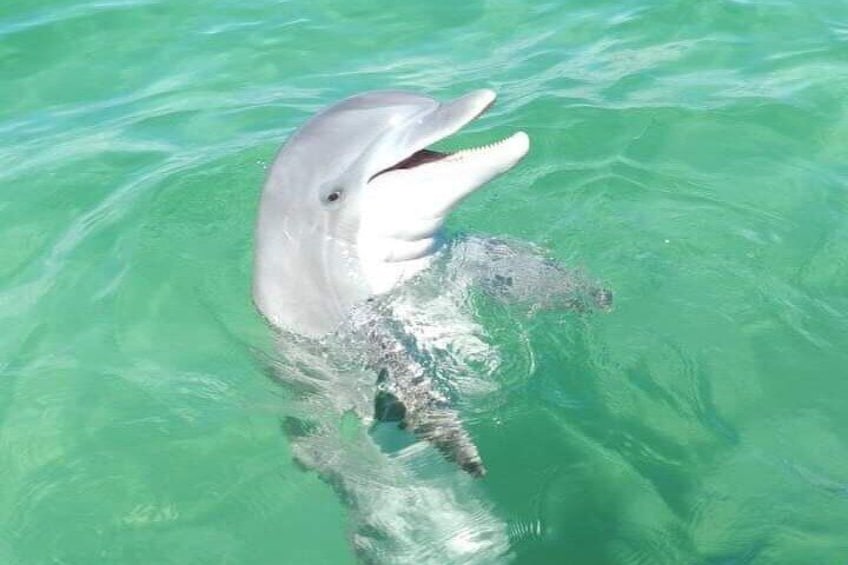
[693, 155]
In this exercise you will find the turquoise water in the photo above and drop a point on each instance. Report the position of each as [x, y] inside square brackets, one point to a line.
[692, 155]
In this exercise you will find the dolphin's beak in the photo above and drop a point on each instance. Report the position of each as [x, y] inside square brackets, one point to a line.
[433, 182]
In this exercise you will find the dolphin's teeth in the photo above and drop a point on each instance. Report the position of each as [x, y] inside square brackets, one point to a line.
[459, 155]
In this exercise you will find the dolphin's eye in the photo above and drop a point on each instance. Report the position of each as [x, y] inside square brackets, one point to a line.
[334, 196]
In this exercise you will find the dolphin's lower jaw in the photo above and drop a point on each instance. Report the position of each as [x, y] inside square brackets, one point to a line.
[404, 206]
[428, 185]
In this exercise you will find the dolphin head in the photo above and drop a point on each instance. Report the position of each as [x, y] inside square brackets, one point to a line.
[354, 202]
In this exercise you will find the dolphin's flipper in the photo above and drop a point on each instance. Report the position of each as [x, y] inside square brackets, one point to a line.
[520, 272]
[418, 408]
[407, 394]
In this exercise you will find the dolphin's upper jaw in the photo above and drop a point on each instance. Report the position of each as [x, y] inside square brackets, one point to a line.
[469, 108]
[405, 204]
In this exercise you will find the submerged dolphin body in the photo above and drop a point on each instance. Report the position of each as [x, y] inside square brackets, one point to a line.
[353, 206]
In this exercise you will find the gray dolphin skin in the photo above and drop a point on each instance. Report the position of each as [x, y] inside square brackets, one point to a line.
[353, 206]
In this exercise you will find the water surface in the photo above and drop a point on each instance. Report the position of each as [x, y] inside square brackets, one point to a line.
[690, 154]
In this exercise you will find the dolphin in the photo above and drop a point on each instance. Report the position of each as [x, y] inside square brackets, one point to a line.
[353, 206]
[354, 202]
[373, 311]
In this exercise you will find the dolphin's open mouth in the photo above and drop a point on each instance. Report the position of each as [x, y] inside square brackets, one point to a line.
[427, 156]
[500, 155]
